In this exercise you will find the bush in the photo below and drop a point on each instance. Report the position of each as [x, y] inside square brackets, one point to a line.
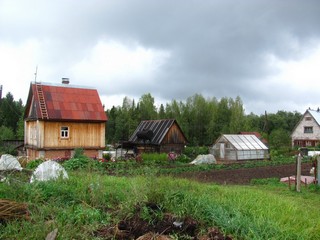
[76, 163]
[183, 158]
[34, 163]
[106, 156]
[193, 152]
[10, 149]
[78, 153]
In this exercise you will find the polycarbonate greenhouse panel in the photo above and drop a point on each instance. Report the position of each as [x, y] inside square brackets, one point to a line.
[245, 142]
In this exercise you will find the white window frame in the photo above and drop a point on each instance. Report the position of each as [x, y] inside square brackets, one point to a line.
[64, 132]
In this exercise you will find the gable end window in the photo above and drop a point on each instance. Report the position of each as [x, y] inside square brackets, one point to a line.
[64, 132]
[308, 129]
[308, 118]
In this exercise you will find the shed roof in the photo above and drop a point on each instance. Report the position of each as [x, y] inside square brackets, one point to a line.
[64, 102]
[159, 128]
[244, 142]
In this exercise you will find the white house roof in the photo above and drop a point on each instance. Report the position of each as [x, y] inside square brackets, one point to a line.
[315, 114]
[245, 142]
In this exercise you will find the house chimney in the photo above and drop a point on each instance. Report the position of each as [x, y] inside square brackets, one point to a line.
[0, 92]
[65, 81]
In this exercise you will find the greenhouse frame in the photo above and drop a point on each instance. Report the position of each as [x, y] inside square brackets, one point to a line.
[237, 147]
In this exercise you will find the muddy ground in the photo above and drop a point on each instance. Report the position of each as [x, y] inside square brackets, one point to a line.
[158, 228]
[243, 176]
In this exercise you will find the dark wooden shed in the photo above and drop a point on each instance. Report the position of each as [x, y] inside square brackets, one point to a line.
[161, 136]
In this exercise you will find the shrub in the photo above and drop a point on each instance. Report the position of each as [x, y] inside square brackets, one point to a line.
[78, 153]
[106, 156]
[183, 158]
[34, 163]
[10, 149]
[76, 163]
[193, 152]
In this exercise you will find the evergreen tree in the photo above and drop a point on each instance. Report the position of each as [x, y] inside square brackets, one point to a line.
[237, 116]
[147, 108]
[111, 124]
[161, 113]
[10, 112]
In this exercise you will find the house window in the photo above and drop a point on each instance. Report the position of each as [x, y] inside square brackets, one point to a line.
[308, 129]
[308, 143]
[64, 132]
[308, 118]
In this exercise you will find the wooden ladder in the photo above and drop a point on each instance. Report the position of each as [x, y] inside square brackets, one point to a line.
[43, 107]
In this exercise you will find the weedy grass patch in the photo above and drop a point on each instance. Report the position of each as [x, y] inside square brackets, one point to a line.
[87, 201]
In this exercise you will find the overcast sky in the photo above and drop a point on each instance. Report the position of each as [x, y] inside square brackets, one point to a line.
[265, 51]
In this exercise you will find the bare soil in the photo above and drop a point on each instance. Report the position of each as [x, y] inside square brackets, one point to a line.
[157, 228]
[243, 176]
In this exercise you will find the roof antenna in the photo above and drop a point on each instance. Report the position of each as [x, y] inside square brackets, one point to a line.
[36, 74]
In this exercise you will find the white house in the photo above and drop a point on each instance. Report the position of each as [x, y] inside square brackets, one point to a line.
[307, 132]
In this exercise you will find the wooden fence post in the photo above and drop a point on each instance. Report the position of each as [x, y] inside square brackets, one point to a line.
[318, 170]
[298, 177]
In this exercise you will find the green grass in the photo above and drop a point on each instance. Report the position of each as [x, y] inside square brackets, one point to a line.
[88, 200]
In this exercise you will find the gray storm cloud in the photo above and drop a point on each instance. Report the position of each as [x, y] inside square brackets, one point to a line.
[217, 48]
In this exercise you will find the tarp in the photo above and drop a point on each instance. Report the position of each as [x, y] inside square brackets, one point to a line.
[204, 159]
[303, 179]
[48, 170]
[9, 162]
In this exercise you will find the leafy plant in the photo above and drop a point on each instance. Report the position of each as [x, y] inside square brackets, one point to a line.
[78, 153]
[106, 156]
[183, 158]
[34, 163]
[76, 163]
[193, 152]
[152, 158]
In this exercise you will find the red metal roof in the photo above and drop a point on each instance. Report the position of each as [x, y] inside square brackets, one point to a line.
[64, 102]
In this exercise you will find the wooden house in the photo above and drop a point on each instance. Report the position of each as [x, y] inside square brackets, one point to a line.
[158, 136]
[307, 132]
[239, 147]
[60, 118]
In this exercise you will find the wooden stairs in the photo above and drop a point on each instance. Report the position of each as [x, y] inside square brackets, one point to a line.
[43, 107]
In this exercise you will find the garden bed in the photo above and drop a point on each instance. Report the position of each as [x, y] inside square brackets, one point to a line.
[245, 175]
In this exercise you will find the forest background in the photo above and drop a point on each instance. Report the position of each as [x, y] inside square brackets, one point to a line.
[201, 119]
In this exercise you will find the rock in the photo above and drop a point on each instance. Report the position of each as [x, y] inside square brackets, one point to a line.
[52, 235]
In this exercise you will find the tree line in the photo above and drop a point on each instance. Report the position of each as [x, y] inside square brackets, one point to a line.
[201, 119]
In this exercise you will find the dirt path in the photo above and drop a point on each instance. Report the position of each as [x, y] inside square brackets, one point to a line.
[245, 175]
